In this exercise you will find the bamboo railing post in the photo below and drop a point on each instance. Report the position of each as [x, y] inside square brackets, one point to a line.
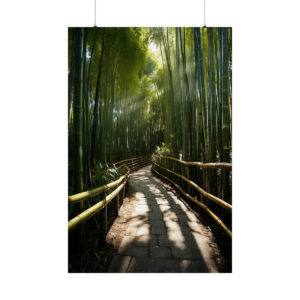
[214, 188]
[166, 166]
[126, 187]
[173, 169]
[225, 185]
[118, 203]
[79, 238]
[176, 168]
[189, 178]
[123, 193]
[103, 224]
[207, 185]
[181, 172]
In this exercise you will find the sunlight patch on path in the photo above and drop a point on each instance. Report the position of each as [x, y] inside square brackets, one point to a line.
[162, 234]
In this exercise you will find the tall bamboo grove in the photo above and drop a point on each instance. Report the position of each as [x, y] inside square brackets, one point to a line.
[132, 89]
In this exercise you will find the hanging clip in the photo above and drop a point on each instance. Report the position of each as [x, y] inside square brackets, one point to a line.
[204, 14]
[95, 1]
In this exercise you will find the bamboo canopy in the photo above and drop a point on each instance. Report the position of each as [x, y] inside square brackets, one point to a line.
[132, 90]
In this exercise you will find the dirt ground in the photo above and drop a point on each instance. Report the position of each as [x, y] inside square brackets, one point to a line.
[95, 259]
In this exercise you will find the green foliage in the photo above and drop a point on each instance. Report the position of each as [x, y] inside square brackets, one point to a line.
[105, 173]
[159, 79]
[150, 66]
[162, 150]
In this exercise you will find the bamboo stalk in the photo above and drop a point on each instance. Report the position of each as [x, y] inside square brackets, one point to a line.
[189, 178]
[78, 72]
[103, 223]
[117, 207]
[78, 159]
[95, 114]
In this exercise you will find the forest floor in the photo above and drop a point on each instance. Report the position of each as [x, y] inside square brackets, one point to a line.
[156, 231]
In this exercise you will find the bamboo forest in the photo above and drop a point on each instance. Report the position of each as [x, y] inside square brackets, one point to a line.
[150, 149]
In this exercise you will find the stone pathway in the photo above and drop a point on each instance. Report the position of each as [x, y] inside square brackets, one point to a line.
[162, 234]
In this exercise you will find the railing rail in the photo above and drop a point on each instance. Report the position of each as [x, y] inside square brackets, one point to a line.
[97, 191]
[158, 168]
[130, 159]
[101, 206]
[94, 209]
[217, 200]
[134, 163]
[218, 165]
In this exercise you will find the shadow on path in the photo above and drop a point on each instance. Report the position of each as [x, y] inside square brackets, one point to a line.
[162, 234]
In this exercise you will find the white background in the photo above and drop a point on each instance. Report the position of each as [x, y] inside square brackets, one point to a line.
[33, 160]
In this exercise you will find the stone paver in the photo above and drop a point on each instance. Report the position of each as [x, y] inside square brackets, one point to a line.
[154, 265]
[119, 264]
[143, 230]
[159, 252]
[145, 240]
[193, 266]
[163, 240]
[134, 250]
[181, 230]
[158, 224]
[186, 251]
[158, 230]
[163, 235]
[156, 216]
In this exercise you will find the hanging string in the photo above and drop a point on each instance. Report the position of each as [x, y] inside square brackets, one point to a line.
[95, 13]
[204, 15]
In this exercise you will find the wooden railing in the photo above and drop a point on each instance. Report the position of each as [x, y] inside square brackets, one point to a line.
[164, 167]
[134, 163]
[129, 165]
